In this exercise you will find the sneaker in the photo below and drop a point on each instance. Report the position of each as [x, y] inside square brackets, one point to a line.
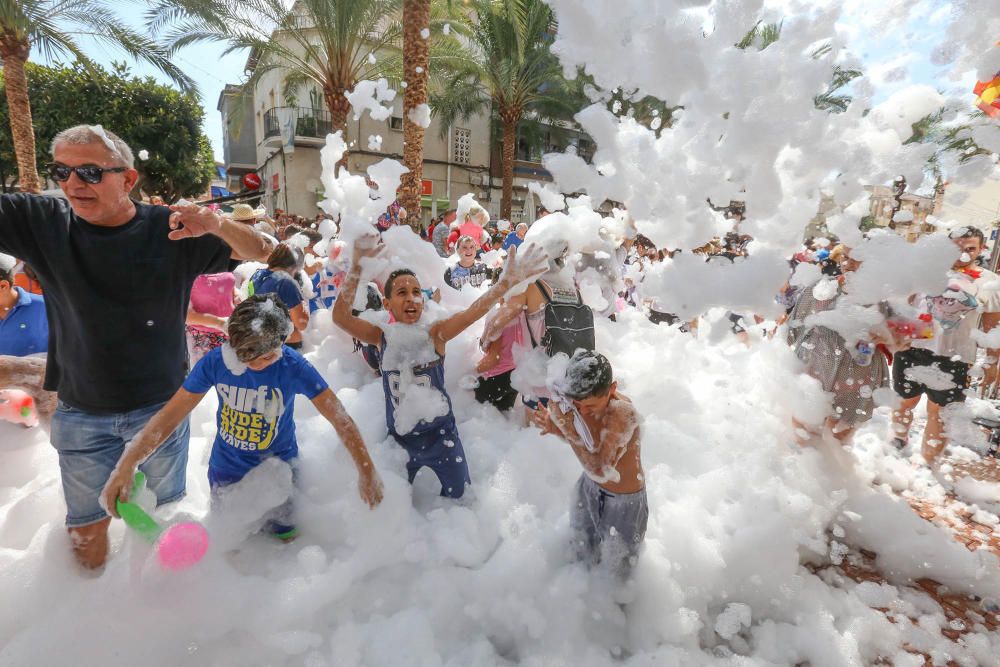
[286, 536]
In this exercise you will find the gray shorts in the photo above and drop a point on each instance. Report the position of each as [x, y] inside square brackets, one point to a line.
[608, 527]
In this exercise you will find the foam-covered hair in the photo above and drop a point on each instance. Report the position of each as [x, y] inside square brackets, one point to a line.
[588, 374]
[259, 325]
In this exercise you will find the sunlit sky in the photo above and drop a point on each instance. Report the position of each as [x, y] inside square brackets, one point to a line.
[895, 40]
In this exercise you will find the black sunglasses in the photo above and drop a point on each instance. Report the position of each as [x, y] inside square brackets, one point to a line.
[87, 173]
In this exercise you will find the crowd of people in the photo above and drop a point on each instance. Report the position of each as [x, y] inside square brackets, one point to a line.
[200, 300]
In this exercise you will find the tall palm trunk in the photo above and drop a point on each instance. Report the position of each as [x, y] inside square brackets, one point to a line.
[416, 56]
[509, 119]
[339, 107]
[14, 52]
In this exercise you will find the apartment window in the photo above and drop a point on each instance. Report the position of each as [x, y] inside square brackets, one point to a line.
[396, 123]
[462, 146]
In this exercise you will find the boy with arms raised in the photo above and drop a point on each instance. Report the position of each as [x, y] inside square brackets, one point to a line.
[609, 514]
[257, 378]
[418, 409]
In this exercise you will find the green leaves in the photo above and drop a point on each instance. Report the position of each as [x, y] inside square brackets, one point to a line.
[147, 115]
[507, 61]
[951, 135]
[323, 41]
[53, 26]
[830, 100]
[761, 35]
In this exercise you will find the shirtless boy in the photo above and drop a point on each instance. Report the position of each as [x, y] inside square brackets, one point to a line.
[609, 514]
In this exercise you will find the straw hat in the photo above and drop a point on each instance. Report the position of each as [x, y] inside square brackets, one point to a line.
[245, 213]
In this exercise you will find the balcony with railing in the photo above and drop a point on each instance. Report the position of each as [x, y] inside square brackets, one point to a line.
[311, 125]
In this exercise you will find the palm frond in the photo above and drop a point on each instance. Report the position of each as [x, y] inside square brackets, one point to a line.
[52, 26]
[761, 35]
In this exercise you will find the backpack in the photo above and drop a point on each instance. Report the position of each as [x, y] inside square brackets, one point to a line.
[569, 322]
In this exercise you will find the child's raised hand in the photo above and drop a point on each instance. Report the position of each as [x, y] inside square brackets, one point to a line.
[366, 246]
[524, 265]
[539, 418]
[370, 488]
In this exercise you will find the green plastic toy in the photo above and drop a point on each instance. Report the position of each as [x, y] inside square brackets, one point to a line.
[178, 546]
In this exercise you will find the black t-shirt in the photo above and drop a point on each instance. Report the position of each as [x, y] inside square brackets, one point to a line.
[116, 299]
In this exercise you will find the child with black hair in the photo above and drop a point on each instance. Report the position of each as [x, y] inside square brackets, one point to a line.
[417, 406]
[257, 378]
[601, 425]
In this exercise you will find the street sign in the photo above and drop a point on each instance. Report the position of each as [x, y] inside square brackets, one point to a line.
[251, 181]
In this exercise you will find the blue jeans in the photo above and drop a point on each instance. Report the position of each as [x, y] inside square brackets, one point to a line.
[89, 447]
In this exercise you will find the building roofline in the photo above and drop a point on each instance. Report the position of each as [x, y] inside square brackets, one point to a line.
[228, 89]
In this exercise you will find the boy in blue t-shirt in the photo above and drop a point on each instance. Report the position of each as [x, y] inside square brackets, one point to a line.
[256, 378]
[417, 406]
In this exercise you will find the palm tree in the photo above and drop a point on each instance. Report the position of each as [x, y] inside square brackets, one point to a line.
[416, 60]
[509, 64]
[53, 26]
[428, 53]
[332, 43]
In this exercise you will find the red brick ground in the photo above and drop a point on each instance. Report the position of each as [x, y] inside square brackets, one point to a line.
[954, 517]
[860, 566]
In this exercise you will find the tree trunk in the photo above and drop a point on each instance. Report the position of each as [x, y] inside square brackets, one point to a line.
[339, 107]
[416, 56]
[15, 53]
[509, 120]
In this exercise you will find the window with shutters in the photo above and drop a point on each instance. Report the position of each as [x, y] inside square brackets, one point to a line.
[462, 146]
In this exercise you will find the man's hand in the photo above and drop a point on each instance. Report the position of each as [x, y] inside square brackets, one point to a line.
[370, 488]
[191, 220]
[524, 265]
[119, 486]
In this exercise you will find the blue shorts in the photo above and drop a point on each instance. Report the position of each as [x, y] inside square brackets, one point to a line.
[89, 447]
[279, 521]
[532, 404]
[441, 451]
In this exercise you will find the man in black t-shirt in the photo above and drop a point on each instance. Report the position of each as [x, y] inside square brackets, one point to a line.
[117, 278]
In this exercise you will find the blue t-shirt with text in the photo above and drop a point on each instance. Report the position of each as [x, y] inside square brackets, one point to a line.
[256, 409]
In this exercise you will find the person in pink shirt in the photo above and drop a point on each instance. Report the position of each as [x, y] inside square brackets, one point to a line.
[474, 225]
[213, 298]
[496, 367]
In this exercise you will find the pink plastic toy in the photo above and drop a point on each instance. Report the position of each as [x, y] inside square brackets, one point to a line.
[182, 545]
[179, 546]
[18, 407]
